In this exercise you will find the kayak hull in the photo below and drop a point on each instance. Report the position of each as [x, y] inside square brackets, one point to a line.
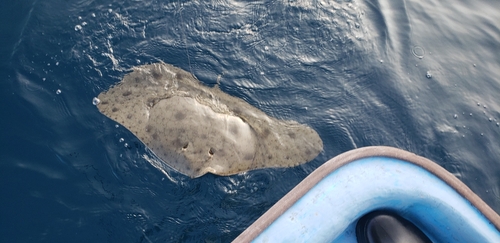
[326, 206]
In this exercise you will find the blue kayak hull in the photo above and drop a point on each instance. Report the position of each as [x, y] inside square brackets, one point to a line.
[326, 206]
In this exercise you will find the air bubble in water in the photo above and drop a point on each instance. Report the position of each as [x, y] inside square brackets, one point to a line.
[428, 74]
[418, 51]
[95, 101]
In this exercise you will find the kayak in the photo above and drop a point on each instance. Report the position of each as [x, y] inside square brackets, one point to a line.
[377, 194]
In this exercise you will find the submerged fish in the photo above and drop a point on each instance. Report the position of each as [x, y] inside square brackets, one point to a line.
[197, 129]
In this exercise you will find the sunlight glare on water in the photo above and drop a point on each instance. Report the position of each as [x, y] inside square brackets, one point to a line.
[417, 75]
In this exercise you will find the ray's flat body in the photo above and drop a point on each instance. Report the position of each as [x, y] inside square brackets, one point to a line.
[197, 129]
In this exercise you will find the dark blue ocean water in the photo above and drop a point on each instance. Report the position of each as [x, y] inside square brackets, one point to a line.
[423, 76]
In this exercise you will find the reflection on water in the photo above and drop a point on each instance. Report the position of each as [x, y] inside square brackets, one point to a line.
[417, 75]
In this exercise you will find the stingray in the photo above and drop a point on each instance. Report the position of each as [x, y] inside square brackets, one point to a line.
[197, 129]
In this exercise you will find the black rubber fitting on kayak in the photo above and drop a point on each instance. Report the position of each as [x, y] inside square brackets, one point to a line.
[388, 227]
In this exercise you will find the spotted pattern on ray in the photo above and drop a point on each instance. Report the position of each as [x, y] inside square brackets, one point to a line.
[196, 129]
